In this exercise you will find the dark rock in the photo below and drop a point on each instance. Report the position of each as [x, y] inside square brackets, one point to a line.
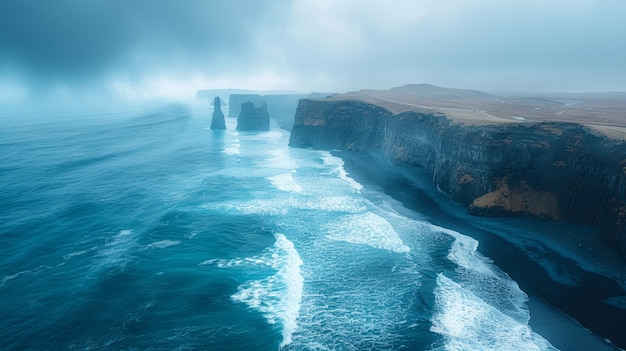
[281, 105]
[253, 118]
[235, 101]
[547, 170]
[217, 121]
[347, 125]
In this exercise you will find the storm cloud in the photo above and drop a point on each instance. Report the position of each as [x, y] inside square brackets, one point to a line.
[160, 47]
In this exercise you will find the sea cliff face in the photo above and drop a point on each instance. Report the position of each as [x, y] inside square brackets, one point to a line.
[548, 170]
[346, 125]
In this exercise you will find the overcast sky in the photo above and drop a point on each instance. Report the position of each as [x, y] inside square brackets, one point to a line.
[158, 48]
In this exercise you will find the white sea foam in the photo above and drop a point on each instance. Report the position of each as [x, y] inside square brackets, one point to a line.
[469, 323]
[343, 175]
[330, 160]
[163, 244]
[117, 251]
[191, 235]
[79, 253]
[275, 207]
[338, 167]
[485, 279]
[32, 271]
[238, 262]
[285, 182]
[346, 204]
[253, 207]
[464, 252]
[354, 301]
[232, 150]
[6, 278]
[277, 296]
[367, 229]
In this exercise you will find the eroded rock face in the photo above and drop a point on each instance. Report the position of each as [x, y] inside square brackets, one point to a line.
[235, 101]
[347, 125]
[548, 170]
[253, 118]
[217, 121]
[514, 198]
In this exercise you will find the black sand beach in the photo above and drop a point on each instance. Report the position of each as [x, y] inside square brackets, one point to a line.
[568, 288]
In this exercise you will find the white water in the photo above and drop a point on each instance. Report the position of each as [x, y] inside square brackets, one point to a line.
[277, 296]
[117, 251]
[199, 268]
[368, 229]
[285, 182]
[352, 282]
[469, 323]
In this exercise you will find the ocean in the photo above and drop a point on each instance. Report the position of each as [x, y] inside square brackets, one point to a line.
[139, 228]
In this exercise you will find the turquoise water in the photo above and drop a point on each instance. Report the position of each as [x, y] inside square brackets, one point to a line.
[142, 229]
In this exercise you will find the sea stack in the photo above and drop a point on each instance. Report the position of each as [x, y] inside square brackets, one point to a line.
[217, 122]
[253, 118]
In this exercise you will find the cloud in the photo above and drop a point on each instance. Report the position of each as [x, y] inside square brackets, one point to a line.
[480, 44]
[67, 42]
[160, 47]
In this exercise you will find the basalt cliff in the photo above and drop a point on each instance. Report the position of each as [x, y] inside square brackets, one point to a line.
[553, 156]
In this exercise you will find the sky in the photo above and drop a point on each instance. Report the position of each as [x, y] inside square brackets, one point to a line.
[142, 49]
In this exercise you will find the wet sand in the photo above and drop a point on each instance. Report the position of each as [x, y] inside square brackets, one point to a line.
[567, 287]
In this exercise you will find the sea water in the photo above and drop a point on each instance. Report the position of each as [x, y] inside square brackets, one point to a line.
[142, 229]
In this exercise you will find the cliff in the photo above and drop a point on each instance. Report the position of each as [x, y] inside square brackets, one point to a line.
[497, 156]
[217, 120]
[253, 118]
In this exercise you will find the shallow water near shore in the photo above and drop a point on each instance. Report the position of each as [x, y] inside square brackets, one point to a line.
[555, 263]
[143, 229]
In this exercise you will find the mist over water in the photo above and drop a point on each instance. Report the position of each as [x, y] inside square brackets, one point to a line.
[144, 229]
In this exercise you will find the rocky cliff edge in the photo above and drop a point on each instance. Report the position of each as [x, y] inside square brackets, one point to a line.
[549, 156]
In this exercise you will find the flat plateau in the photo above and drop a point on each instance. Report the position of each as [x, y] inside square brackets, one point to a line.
[602, 112]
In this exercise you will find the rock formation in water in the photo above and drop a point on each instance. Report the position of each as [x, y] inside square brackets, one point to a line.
[236, 100]
[253, 118]
[495, 165]
[217, 121]
[281, 105]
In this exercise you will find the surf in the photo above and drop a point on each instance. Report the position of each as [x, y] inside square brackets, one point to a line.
[278, 295]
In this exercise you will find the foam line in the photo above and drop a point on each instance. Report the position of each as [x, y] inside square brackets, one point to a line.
[118, 249]
[485, 279]
[279, 296]
[338, 167]
[367, 229]
[6, 278]
[232, 150]
[285, 182]
[345, 204]
[469, 323]
[163, 244]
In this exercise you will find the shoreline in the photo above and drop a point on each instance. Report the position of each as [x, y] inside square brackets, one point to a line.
[565, 295]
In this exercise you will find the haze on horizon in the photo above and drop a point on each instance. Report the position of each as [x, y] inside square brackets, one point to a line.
[82, 49]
